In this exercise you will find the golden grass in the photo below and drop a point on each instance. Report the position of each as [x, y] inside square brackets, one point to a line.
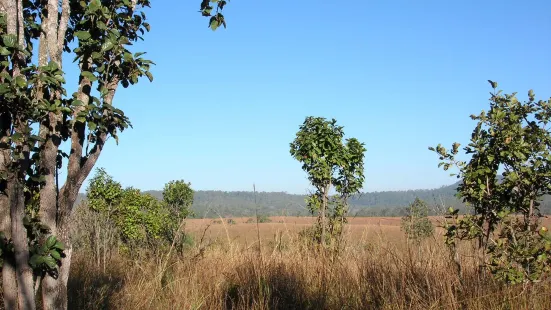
[377, 269]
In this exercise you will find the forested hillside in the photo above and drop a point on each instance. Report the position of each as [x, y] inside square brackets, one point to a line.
[242, 203]
[386, 203]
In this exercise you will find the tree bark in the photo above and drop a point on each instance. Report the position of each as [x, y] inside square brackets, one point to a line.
[16, 181]
[24, 272]
[9, 281]
[52, 212]
[323, 211]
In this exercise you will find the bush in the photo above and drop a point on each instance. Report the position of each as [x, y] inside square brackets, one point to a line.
[415, 223]
[264, 219]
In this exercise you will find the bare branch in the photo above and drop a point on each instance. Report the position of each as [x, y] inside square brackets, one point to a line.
[51, 29]
[11, 20]
[21, 29]
[63, 24]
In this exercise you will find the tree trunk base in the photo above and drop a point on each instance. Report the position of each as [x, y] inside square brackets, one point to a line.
[54, 291]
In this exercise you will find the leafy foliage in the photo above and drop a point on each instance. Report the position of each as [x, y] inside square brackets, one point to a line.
[178, 196]
[216, 18]
[139, 218]
[46, 257]
[506, 177]
[103, 192]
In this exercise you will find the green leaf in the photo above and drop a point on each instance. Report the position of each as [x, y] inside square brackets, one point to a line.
[50, 242]
[213, 23]
[89, 75]
[97, 56]
[59, 245]
[93, 6]
[50, 262]
[55, 254]
[83, 35]
[9, 40]
[4, 51]
[128, 56]
[20, 81]
[16, 136]
[59, 78]
[36, 260]
[77, 103]
[107, 46]
[92, 126]
[149, 76]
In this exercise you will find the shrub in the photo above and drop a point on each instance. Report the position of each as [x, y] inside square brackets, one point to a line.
[415, 223]
[264, 219]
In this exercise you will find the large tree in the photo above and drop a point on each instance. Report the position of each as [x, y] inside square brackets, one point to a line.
[37, 117]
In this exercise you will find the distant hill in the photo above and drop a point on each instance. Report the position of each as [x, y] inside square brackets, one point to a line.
[386, 203]
[242, 203]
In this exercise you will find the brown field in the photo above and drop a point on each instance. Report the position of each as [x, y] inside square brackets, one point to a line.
[247, 233]
[362, 229]
[224, 269]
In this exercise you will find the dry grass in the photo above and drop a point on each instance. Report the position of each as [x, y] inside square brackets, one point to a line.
[376, 270]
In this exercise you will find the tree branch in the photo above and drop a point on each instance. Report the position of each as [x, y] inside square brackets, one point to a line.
[63, 24]
[51, 29]
[21, 29]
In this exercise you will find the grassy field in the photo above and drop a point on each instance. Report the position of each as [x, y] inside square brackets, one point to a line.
[224, 269]
[243, 232]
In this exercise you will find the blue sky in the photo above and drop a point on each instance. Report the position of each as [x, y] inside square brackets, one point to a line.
[399, 75]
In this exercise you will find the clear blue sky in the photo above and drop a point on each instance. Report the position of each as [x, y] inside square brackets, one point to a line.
[399, 75]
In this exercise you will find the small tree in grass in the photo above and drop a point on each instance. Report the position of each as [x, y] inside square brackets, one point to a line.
[330, 163]
[416, 223]
[178, 198]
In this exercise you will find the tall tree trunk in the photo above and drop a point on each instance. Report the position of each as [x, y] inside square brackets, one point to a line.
[16, 181]
[9, 281]
[54, 291]
[52, 212]
[323, 213]
[24, 272]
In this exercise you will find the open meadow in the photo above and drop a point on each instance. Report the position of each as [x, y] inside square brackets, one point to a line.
[244, 231]
[376, 268]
